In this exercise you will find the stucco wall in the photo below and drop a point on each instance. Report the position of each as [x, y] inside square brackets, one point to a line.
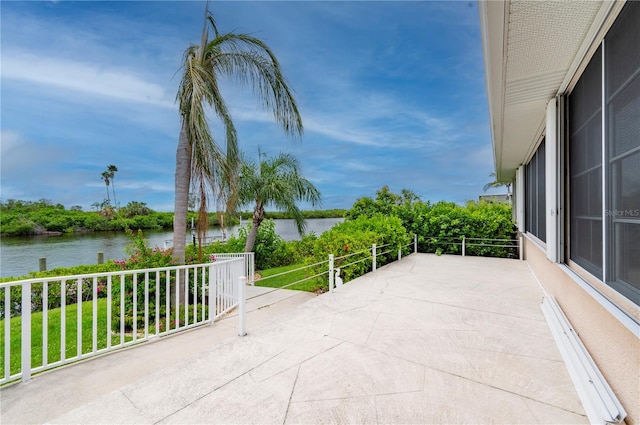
[614, 348]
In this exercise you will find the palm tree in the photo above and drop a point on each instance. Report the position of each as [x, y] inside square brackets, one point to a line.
[496, 183]
[200, 161]
[111, 169]
[106, 176]
[277, 182]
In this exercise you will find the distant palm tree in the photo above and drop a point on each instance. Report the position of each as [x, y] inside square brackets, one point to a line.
[496, 183]
[277, 182]
[111, 169]
[200, 161]
[106, 176]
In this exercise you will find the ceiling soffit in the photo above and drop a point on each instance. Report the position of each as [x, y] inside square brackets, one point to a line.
[542, 40]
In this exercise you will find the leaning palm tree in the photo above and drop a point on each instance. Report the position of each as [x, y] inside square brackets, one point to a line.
[274, 182]
[200, 161]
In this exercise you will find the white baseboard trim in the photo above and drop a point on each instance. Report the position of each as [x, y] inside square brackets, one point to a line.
[599, 402]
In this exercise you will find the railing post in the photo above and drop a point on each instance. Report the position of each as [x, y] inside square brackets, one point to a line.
[249, 266]
[520, 247]
[399, 253]
[25, 364]
[331, 273]
[252, 268]
[464, 241]
[373, 254]
[242, 305]
[415, 243]
[212, 295]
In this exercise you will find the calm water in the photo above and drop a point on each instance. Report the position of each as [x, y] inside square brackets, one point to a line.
[20, 255]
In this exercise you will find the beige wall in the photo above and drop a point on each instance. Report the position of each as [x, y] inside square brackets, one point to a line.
[614, 348]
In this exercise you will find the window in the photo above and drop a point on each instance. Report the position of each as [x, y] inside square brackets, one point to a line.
[622, 100]
[604, 216]
[585, 168]
[535, 200]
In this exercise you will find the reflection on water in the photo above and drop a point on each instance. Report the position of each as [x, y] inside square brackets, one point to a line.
[19, 255]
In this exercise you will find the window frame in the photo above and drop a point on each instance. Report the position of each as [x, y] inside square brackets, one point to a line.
[609, 181]
[535, 194]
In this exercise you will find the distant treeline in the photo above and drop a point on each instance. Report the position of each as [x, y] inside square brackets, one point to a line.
[336, 213]
[43, 217]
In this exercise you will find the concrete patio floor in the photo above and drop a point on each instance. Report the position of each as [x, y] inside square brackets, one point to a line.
[428, 339]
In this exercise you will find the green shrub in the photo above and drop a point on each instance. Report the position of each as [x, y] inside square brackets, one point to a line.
[441, 226]
[270, 249]
[302, 249]
[54, 288]
[96, 222]
[445, 223]
[141, 256]
[134, 208]
[16, 225]
[357, 237]
[19, 218]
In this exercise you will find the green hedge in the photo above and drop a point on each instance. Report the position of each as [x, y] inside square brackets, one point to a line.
[441, 226]
[356, 237]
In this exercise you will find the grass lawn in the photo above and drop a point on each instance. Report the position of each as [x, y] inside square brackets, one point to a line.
[311, 285]
[54, 327]
[54, 322]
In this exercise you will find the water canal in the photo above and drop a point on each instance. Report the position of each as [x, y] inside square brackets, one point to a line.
[20, 255]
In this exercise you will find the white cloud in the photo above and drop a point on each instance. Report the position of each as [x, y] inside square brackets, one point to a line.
[126, 185]
[88, 79]
[19, 154]
[147, 185]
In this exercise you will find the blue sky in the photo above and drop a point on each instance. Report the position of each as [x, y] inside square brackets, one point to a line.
[391, 93]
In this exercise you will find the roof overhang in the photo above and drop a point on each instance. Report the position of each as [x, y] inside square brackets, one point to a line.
[532, 49]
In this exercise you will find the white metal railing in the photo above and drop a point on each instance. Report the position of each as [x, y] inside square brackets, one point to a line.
[249, 261]
[334, 272]
[207, 240]
[49, 322]
[335, 280]
[463, 242]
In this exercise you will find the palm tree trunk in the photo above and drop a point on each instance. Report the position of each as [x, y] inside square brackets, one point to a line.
[182, 182]
[258, 216]
[113, 189]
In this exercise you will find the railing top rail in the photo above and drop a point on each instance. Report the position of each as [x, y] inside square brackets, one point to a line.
[288, 285]
[489, 239]
[469, 239]
[368, 251]
[114, 273]
[342, 266]
[490, 245]
[384, 252]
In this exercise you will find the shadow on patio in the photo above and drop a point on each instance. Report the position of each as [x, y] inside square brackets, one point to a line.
[427, 339]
